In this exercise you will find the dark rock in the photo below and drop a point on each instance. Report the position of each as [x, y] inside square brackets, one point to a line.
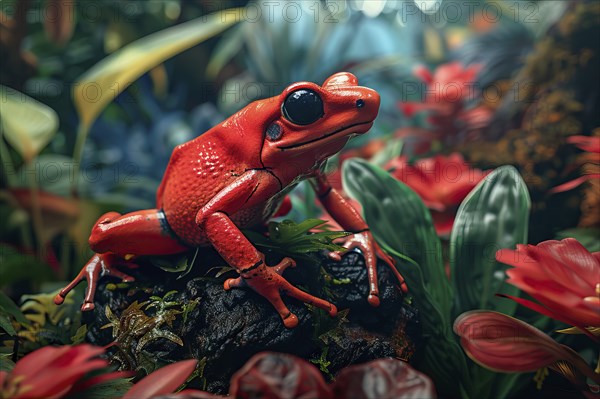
[226, 328]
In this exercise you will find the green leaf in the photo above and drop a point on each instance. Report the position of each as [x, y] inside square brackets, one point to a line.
[178, 263]
[291, 238]
[392, 150]
[402, 225]
[7, 306]
[27, 124]
[231, 44]
[99, 86]
[106, 390]
[399, 220]
[6, 325]
[494, 215]
[588, 237]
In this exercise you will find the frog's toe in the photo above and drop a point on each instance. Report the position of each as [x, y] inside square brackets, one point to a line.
[233, 283]
[284, 264]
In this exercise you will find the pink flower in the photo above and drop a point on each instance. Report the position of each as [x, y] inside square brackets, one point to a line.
[562, 276]
[502, 343]
[442, 182]
[52, 372]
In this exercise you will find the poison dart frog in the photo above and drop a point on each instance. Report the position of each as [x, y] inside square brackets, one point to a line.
[236, 176]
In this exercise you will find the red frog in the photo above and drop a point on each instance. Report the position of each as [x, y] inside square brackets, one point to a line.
[235, 176]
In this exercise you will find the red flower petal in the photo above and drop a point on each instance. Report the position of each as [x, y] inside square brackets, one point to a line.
[423, 73]
[586, 143]
[570, 185]
[163, 381]
[547, 312]
[505, 344]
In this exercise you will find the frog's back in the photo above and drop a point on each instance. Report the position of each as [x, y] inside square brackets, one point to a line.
[202, 167]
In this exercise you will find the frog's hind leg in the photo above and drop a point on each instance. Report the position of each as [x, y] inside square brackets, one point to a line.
[117, 239]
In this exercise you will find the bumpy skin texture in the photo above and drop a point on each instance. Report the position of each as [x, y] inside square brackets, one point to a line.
[235, 176]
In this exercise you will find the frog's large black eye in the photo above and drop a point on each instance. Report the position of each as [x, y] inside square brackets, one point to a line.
[302, 107]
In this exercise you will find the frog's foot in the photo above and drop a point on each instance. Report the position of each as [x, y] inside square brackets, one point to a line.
[98, 266]
[371, 251]
[268, 282]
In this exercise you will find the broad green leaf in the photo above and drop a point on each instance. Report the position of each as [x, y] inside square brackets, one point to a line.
[493, 216]
[402, 225]
[442, 357]
[27, 124]
[104, 81]
[399, 220]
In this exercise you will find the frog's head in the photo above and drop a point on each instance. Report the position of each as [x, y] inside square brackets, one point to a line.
[310, 123]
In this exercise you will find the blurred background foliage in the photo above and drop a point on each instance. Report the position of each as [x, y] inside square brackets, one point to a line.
[65, 161]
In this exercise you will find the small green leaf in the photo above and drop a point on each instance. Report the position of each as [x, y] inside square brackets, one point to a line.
[7, 306]
[6, 325]
[293, 239]
[106, 390]
[177, 263]
[27, 124]
[79, 336]
[493, 216]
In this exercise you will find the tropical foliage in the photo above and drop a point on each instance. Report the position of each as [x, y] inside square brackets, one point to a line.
[480, 177]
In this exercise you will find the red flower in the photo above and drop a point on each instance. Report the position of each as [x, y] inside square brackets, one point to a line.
[502, 343]
[592, 147]
[51, 372]
[448, 92]
[562, 276]
[441, 182]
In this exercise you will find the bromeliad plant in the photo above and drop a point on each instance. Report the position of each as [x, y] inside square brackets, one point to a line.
[493, 216]
[561, 276]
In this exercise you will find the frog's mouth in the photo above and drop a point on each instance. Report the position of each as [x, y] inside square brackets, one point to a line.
[344, 129]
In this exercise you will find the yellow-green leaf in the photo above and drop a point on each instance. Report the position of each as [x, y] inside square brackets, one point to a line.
[27, 124]
[104, 81]
[575, 330]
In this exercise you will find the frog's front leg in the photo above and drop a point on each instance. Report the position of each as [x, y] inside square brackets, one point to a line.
[362, 238]
[251, 189]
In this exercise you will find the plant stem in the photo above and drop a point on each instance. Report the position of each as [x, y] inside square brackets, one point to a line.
[7, 163]
[36, 211]
[82, 133]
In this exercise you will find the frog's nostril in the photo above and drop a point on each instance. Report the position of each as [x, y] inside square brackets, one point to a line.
[360, 103]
